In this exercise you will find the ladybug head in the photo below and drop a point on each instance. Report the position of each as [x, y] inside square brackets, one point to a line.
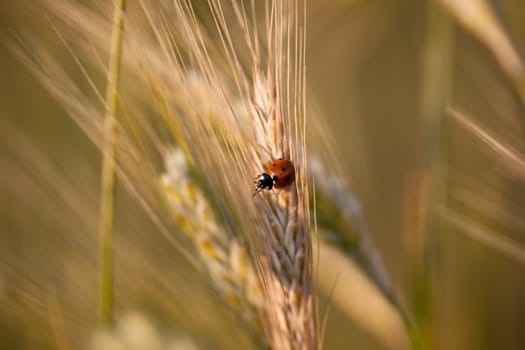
[264, 181]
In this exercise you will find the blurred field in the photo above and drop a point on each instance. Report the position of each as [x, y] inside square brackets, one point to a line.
[366, 74]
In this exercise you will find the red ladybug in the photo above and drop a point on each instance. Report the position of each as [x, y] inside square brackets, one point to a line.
[279, 174]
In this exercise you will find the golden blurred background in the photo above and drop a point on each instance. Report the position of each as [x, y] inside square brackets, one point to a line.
[378, 71]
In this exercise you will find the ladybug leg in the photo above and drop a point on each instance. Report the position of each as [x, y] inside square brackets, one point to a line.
[257, 190]
[258, 187]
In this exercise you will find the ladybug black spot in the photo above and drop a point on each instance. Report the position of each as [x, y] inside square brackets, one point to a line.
[283, 169]
[274, 164]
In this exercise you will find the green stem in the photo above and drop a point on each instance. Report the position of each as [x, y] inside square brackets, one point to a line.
[108, 178]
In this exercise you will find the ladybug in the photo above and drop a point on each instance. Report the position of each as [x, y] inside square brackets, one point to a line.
[279, 174]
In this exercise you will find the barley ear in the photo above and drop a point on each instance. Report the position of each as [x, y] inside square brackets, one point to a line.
[222, 256]
[286, 243]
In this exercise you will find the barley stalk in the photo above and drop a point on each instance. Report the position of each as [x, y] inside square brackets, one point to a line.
[107, 198]
[428, 187]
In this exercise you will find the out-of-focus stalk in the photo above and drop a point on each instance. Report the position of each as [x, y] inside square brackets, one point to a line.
[427, 187]
[108, 178]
